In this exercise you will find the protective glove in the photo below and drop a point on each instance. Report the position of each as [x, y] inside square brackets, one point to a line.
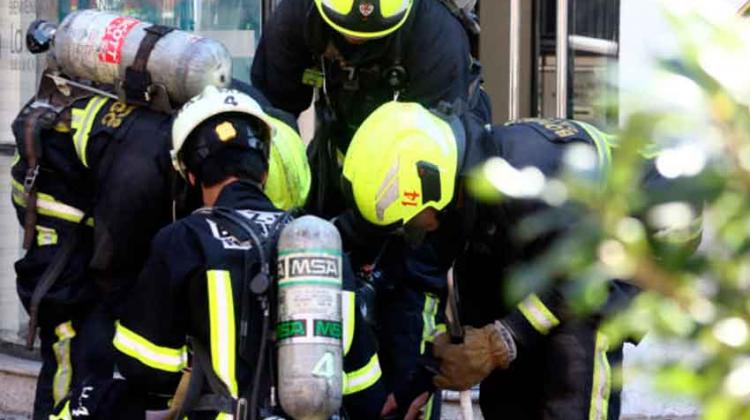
[483, 350]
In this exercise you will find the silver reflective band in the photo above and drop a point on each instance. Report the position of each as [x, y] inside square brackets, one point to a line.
[538, 315]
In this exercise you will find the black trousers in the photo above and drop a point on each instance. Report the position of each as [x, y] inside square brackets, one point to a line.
[572, 374]
[73, 350]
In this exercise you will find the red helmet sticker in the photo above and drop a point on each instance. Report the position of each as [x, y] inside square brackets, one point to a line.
[366, 9]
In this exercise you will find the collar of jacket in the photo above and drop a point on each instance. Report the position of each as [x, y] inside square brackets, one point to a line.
[243, 194]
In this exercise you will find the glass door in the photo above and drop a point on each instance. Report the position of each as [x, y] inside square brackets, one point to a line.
[235, 23]
[582, 35]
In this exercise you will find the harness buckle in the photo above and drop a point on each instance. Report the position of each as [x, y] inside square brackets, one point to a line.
[240, 412]
[30, 179]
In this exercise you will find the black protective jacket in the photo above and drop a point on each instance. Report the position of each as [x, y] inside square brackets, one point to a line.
[492, 247]
[432, 47]
[111, 163]
[565, 364]
[192, 286]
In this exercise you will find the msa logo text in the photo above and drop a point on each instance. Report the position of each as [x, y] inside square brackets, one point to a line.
[317, 266]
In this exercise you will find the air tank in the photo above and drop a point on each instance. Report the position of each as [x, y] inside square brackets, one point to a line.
[309, 327]
[100, 46]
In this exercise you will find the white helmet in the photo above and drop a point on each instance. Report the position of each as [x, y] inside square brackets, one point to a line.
[213, 101]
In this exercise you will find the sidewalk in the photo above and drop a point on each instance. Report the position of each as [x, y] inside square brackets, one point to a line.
[17, 382]
[18, 378]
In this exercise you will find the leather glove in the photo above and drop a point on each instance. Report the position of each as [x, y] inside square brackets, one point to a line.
[483, 350]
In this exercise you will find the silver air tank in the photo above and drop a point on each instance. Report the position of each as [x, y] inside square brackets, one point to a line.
[309, 327]
[100, 46]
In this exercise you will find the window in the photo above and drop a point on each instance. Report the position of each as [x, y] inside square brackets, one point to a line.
[236, 23]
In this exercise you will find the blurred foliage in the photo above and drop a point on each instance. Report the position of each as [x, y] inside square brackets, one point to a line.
[698, 299]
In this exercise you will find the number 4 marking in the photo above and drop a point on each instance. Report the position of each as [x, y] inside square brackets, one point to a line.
[326, 367]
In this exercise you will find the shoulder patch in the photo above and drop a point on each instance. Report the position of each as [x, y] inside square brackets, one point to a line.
[262, 219]
[553, 129]
[116, 113]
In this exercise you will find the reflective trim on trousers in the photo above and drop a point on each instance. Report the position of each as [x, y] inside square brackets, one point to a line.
[427, 410]
[45, 236]
[64, 372]
[602, 381]
[429, 312]
[64, 414]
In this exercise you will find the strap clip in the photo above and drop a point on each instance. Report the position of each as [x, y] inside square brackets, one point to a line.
[30, 179]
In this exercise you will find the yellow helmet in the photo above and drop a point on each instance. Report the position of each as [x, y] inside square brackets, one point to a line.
[402, 159]
[288, 181]
[365, 19]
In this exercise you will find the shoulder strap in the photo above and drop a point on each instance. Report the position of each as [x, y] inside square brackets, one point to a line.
[137, 78]
[243, 230]
[36, 119]
[220, 399]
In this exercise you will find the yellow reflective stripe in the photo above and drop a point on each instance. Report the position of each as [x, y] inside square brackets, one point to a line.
[64, 414]
[64, 372]
[47, 205]
[427, 410]
[82, 121]
[429, 312]
[222, 327]
[45, 236]
[348, 305]
[363, 377]
[224, 416]
[61, 127]
[602, 383]
[158, 357]
[538, 315]
[603, 146]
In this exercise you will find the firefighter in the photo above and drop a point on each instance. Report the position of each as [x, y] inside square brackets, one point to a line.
[85, 175]
[100, 159]
[193, 282]
[357, 55]
[405, 170]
